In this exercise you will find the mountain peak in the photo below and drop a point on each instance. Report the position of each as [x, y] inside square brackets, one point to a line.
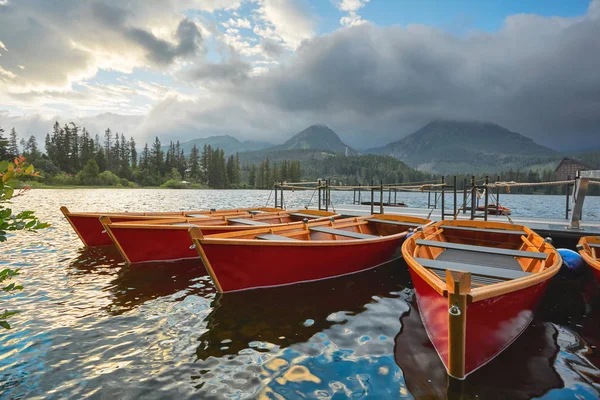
[448, 146]
[317, 137]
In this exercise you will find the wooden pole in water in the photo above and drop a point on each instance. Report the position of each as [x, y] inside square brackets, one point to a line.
[458, 285]
[372, 198]
[455, 197]
[276, 190]
[567, 198]
[464, 207]
[319, 195]
[487, 195]
[443, 198]
[473, 196]
[381, 196]
[498, 197]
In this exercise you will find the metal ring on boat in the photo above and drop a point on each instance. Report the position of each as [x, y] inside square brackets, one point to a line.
[454, 311]
[192, 247]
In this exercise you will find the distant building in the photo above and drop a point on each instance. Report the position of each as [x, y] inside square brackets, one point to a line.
[568, 168]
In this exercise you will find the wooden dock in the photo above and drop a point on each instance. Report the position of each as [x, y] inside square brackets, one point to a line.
[557, 229]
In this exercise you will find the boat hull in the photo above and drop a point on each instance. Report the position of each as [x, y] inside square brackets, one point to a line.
[491, 324]
[253, 265]
[90, 229]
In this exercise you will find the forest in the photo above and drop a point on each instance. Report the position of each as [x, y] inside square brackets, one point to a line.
[72, 157]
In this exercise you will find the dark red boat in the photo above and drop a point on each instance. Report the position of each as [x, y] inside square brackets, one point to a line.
[477, 285]
[589, 249]
[494, 209]
[90, 230]
[169, 240]
[312, 251]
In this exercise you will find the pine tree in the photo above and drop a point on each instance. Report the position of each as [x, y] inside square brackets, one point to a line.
[145, 158]
[194, 163]
[268, 183]
[13, 147]
[156, 159]
[4, 153]
[132, 153]
[252, 176]
[108, 147]
[31, 149]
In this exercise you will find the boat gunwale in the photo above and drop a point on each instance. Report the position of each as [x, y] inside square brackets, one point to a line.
[230, 239]
[488, 291]
[586, 251]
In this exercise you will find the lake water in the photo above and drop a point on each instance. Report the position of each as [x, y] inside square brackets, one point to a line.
[91, 326]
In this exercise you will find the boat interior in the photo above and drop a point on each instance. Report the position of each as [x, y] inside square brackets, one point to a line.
[591, 245]
[167, 214]
[354, 228]
[247, 219]
[492, 253]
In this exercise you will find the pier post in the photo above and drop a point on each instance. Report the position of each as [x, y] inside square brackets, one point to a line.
[443, 198]
[389, 196]
[486, 199]
[372, 198]
[498, 197]
[281, 197]
[567, 198]
[455, 197]
[473, 196]
[429, 199]
[359, 192]
[464, 206]
[395, 195]
[319, 196]
[327, 194]
[579, 192]
[381, 196]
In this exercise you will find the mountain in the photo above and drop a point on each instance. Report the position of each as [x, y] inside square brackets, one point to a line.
[465, 147]
[316, 137]
[228, 144]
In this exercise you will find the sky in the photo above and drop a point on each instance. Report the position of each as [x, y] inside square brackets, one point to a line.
[373, 70]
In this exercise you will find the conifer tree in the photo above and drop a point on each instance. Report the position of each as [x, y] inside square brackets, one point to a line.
[194, 163]
[4, 154]
[132, 153]
[13, 147]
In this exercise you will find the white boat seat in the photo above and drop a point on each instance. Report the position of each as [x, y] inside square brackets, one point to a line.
[482, 249]
[392, 222]
[479, 270]
[485, 230]
[301, 215]
[271, 236]
[340, 232]
[243, 221]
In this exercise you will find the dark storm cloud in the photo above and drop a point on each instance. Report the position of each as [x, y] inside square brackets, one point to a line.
[229, 71]
[537, 75]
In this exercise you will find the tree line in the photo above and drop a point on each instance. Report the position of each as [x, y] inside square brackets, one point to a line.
[74, 157]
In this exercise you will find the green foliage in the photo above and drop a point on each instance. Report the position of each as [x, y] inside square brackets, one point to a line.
[10, 173]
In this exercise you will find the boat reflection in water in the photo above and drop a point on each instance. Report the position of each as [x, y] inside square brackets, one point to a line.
[286, 315]
[524, 370]
[131, 286]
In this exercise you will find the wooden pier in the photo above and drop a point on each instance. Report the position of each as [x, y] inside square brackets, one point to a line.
[465, 203]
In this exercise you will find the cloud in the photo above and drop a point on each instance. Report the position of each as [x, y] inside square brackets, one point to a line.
[224, 72]
[285, 20]
[351, 7]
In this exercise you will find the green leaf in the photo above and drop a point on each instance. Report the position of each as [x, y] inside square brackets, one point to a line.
[30, 224]
[3, 165]
[8, 314]
[4, 324]
[29, 169]
[8, 175]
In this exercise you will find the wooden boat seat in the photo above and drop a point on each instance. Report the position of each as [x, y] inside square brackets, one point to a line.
[479, 270]
[482, 249]
[487, 260]
[392, 222]
[183, 224]
[340, 232]
[246, 221]
[199, 215]
[271, 236]
[594, 245]
[301, 215]
[485, 230]
[254, 212]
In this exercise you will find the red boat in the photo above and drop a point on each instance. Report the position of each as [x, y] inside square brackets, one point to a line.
[286, 255]
[168, 239]
[494, 209]
[589, 249]
[90, 230]
[477, 286]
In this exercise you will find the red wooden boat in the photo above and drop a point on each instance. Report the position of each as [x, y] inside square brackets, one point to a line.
[477, 286]
[494, 209]
[90, 230]
[589, 249]
[312, 251]
[168, 239]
